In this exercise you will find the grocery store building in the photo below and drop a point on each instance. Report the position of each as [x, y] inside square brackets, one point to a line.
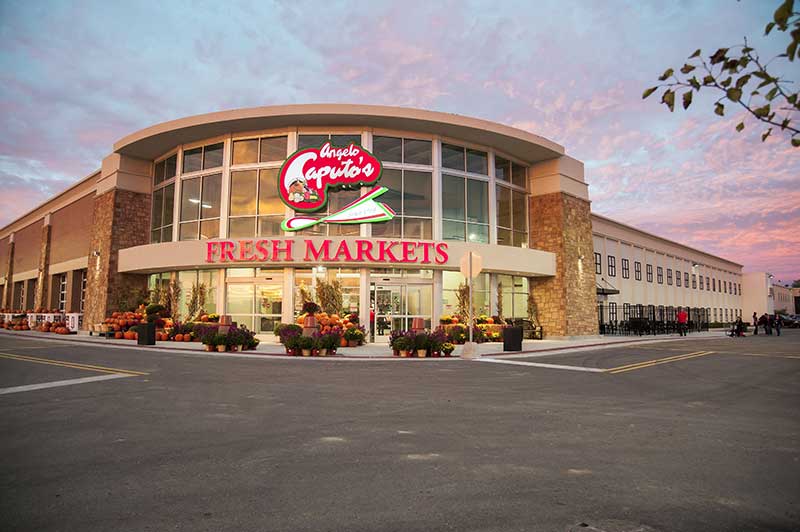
[260, 204]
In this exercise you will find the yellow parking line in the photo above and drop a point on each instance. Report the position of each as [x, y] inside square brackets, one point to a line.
[74, 365]
[656, 362]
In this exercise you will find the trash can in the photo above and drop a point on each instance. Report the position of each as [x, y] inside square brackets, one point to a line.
[147, 334]
[512, 338]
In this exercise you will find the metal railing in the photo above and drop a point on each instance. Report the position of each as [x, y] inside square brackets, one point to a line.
[624, 319]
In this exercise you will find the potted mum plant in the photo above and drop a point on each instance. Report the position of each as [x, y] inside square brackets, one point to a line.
[422, 341]
[305, 343]
[291, 344]
[448, 348]
[328, 343]
[354, 336]
[220, 342]
[209, 339]
[404, 344]
[437, 339]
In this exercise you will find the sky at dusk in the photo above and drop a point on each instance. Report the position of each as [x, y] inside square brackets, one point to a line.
[78, 76]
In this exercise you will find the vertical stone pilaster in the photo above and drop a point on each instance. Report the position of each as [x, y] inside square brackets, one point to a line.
[8, 291]
[42, 282]
[567, 302]
[121, 220]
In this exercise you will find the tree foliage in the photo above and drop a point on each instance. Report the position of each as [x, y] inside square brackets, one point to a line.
[741, 79]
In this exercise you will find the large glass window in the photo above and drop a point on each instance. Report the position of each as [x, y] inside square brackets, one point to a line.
[265, 149]
[465, 159]
[315, 141]
[165, 170]
[465, 209]
[255, 208]
[200, 199]
[307, 281]
[409, 195]
[202, 158]
[480, 298]
[626, 269]
[515, 292]
[200, 285]
[512, 217]
[161, 216]
[401, 150]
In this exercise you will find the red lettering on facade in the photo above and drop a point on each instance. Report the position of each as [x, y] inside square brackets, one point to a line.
[441, 253]
[426, 249]
[343, 250]
[364, 252]
[386, 251]
[313, 254]
[263, 251]
[227, 249]
[211, 247]
[408, 252]
[246, 251]
[277, 250]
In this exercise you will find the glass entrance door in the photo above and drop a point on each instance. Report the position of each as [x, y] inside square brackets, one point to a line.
[395, 306]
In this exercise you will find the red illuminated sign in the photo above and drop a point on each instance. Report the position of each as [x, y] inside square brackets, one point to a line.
[327, 250]
[307, 175]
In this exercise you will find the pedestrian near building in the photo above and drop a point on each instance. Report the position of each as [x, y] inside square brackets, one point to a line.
[755, 323]
[683, 320]
[778, 324]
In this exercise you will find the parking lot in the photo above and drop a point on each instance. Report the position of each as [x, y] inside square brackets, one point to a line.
[672, 436]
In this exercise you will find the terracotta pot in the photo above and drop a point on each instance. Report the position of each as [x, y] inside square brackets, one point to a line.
[209, 347]
[306, 352]
[352, 343]
[221, 348]
[403, 354]
[323, 352]
[421, 353]
[395, 353]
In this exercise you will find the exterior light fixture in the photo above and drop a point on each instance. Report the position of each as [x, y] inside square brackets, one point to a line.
[695, 265]
[194, 200]
[771, 276]
[95, 253]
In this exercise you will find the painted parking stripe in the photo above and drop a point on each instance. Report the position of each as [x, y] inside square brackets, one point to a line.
[657, 362]
[56, 384]
[540, 365]
[74, 365]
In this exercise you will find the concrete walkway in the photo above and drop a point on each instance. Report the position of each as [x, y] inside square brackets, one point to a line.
[380, 351]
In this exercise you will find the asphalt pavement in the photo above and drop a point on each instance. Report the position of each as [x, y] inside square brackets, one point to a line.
[694, 435]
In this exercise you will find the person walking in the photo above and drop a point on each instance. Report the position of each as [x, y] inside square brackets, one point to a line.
[770, 323]
[778, 324]
[683, 320]
[755, 323]
[738, 328]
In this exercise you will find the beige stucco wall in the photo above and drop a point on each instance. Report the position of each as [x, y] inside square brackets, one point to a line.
[71, 230]
[27, 244]
[756, 287]
[3, 256]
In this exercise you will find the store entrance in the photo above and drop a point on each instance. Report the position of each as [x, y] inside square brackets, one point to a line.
[394, 306]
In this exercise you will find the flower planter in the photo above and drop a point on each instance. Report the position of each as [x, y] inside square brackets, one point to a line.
[306, 352]
[421, 353]
[209, 347]
[323, 352]
[403, 353]
[395, 353]
[352, 343]
[221, 348]
[435, 354]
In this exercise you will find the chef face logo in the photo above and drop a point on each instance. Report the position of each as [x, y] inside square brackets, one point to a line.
[307, 175]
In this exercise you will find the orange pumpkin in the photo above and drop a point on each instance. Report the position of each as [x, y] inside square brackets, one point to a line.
[179, 338]
[118, 335]
[187, 337]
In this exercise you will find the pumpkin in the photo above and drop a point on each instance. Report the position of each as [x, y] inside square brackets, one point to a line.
[118, 335]
[187, 337]
[179, 338]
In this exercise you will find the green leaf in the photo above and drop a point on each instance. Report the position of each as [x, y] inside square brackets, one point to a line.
[768, 28]
[795, 142]
[761, 112]
[668, 99]
[765, 135]
[695, 54]
[734, 95]
[726, 82]
[760, 74]
[708, 80]
[740, 127]
[741, 82]
[782, 13]
[685, 69]
[719, 56]
[694, 83]
[785, 123]
[731, 65]
[746, 50]
[791, 50]
[719, 109]
[648, 92]
[792, 98]
[771, 94]
[667, 73]
[765, 83]
[687, 99]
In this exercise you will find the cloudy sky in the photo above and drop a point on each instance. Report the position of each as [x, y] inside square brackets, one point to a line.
[77, 76]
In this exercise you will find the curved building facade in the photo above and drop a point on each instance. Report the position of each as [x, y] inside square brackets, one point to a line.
[262, 204]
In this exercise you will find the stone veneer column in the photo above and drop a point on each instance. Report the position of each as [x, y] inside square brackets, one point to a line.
[8, 291]
[121, 220]
[560, 222]
[42, 282]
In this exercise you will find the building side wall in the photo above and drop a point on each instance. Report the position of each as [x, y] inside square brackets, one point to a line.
[72, 230]
[27, 246]
[4, 256]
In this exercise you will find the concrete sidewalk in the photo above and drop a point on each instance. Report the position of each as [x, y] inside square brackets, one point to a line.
[380, 351]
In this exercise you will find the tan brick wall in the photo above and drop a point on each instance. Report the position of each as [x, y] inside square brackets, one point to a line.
[121, 220]
[72, 230]
[567, 302]
[27, 245]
